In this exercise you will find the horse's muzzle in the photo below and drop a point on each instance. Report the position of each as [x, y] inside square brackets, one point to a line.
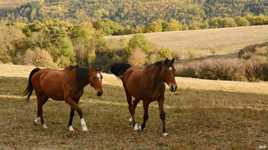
[173, 87]
[99, 93]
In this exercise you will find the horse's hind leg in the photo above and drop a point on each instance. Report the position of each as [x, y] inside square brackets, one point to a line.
[41, 100]
[145, 116]
[133, 108]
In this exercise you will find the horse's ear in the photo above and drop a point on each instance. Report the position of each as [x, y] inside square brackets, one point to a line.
[166, 61]
[173, 60]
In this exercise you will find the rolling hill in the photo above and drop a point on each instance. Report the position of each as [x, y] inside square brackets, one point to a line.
[204, 42]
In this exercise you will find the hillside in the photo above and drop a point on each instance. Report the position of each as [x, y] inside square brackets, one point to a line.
[194, 14]
[204, 42]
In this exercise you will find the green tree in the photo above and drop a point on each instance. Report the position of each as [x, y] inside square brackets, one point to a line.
[241, 21]
[172, 25]
[155, 26]
[108, 26]
[228, 22]
[139, 41]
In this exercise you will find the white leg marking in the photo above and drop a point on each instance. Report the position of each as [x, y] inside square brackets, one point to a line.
[165, 134]
[130, 119]
[137, 127]
[84, 125]
[44, 126]
[71, 128]
[36, 120]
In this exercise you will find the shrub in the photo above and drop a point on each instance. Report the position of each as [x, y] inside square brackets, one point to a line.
[215, 22]
[139, 41]
[228, 22]
[28, 57]
[9, 39]
[241, 21]
[165, 53]
[257, 20]
[108, 27]
[4, 56]
[42, 58]
[24, 58]
[254, 50]
[137, 58]
[84, 43]
[155, 26]
[172, 25]
[221, 22]
[215, 69]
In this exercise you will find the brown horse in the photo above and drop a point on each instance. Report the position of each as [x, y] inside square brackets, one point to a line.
[148, 85]
[63, 85]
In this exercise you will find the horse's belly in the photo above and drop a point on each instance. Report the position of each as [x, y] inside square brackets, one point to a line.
[53, 88]
[54, 93]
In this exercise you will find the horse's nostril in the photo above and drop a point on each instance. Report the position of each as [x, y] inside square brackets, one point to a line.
[99, 93]
[173, 88]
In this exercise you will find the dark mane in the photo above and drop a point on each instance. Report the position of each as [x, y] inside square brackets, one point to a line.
[158, 64]
[82, 74]
[155, 73]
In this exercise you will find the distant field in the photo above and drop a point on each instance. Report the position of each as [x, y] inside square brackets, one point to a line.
[205, 42]
[12, 3]
[201, 115]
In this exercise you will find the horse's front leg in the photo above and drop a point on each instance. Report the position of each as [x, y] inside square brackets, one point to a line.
[41, 100]
[162, 115]
[70, 126]
[75, 106]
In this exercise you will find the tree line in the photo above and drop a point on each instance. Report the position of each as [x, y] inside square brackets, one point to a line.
[116, 17]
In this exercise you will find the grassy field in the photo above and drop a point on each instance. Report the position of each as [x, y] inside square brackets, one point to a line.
[204, 42]
[196, 118]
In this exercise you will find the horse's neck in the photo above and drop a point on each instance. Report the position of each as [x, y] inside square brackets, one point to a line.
[153, 77]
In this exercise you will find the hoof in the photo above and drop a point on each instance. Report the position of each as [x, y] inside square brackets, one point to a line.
[165, 134]
[137, 127]
[44, 126]
[71, 128]
[84, 129]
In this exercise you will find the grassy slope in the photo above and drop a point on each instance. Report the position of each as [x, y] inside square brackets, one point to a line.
[196, 118]
[203, 42]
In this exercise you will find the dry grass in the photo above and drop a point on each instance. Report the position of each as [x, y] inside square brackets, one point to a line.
[205, 42]
[214, 118]
[196, 119]
[12, 3]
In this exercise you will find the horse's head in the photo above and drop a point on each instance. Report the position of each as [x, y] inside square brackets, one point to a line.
[95, 80]
[169, 74]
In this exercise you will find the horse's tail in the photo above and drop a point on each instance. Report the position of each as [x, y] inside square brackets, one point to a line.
[29, 89]
[119, 69]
